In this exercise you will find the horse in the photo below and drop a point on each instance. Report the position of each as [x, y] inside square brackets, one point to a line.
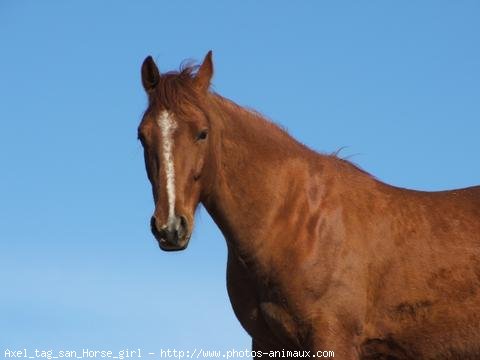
[321, 254]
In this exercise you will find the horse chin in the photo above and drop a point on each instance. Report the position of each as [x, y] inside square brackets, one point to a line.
[166, 246]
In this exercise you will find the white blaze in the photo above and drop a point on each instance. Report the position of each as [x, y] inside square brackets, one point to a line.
[167, 126]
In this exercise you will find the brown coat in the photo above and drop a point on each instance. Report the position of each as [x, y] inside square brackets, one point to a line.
[321, 255]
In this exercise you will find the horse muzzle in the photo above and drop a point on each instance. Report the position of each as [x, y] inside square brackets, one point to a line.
[172, 237]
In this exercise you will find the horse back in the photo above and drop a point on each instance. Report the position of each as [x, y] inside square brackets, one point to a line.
[421, 252]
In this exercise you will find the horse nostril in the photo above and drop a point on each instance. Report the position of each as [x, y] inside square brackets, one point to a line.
[183, 222]
[160, 233]
[183, 228]
[153, 225]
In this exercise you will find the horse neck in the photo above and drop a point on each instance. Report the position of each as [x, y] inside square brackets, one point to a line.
[256, 163]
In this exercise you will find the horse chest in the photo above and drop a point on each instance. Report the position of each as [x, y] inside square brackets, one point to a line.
[280, 322]
[262, 313]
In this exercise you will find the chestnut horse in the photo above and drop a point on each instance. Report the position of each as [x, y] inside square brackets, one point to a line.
[321, 255]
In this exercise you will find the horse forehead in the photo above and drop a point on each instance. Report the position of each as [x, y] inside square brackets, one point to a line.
[178, 122]
[166, 121]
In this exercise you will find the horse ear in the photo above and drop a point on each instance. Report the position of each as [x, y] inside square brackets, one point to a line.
[150, 74]
[205, 73]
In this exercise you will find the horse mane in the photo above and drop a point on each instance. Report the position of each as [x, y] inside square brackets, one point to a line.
[175, 91]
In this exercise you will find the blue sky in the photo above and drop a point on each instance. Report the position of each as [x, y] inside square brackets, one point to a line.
[396, 83]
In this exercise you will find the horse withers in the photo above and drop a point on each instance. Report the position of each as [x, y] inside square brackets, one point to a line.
[321, 255]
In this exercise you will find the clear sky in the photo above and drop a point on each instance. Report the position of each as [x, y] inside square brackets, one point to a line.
[396, 83]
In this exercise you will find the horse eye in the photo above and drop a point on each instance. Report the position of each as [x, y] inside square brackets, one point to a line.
[202, 135]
